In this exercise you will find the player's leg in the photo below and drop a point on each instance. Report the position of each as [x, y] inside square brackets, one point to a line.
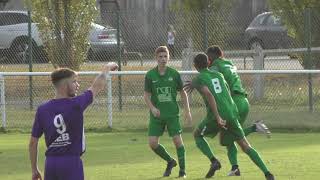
[255, 157]
[177, 140]
[236, 133]
[205, 129]
[243, 106]
[175, 130]
[156, 129]
[233, 159]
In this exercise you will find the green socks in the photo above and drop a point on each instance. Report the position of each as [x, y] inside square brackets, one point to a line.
[162, 152]
[181, 157]
[203, 145]
[255, 157]
[249, 130]
[232, 154]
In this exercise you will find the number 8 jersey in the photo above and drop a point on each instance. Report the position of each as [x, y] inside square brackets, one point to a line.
[61, 122]
[219, 89]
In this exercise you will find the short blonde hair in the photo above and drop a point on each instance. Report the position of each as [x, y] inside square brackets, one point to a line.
[161, 49]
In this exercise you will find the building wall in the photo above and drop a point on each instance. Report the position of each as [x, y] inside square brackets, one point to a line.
[144, 22]
[14, 5]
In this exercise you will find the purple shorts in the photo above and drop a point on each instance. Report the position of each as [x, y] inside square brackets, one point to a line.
[63, 168]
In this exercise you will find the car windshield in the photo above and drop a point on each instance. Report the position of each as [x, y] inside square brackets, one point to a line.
[273, 21]
[259, 20]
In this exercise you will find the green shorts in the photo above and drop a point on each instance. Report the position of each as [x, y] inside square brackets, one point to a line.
[157, 126]
[233, 133]
[208, 127]
[242, 104]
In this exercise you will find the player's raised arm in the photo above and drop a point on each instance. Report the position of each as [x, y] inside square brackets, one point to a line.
[100, 81]
[213, 106]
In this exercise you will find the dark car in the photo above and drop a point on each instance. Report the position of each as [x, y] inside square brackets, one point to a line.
[267, 32]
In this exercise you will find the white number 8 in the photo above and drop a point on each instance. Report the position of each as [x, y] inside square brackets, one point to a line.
[59, 124]
[216, 85]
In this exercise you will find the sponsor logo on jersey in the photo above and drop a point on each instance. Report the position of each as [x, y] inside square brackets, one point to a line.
[164, 94]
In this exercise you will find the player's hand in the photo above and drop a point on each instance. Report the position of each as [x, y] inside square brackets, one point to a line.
[155, 112]
[36, 175]
[188, 117]
[222, 123]
[188, 87]
[110, 66]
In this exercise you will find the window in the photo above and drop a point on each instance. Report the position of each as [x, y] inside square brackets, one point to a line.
[273, 21]
[259, 20]
[12, 18]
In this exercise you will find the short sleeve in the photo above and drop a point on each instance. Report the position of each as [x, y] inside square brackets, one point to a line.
[147, 84]
[37, 129]
[197, 83]
[179, 82]
[85, 99]
[214, 68]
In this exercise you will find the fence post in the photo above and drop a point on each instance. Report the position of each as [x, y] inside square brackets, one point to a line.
[309, 64]
[119, 55]
[258, 64]
[109, 98]
[29, 55]
[3, 102]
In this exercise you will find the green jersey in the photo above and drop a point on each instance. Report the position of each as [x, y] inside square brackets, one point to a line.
[163, 89]
[231, 76]
[220, 90]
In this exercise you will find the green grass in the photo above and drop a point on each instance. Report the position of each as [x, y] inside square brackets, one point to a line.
[135, 118]
[127, 156]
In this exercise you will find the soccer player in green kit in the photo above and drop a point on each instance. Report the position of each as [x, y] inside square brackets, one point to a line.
[162, 85]
[239, 96]
[222, 116]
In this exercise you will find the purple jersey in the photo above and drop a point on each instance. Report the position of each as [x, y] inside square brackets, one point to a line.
[61, 121]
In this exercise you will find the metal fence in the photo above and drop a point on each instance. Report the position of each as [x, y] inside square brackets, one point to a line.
[140, 32]
[286, 100]
[268, 42]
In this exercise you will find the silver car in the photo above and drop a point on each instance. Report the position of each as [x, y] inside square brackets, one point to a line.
[14, 39]
[103, 43]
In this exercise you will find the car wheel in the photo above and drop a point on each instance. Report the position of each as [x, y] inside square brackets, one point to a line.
[18, 52]
[40, 55]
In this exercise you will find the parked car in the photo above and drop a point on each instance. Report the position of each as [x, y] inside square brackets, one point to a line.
[103, 43]
[267, 32]
[14, 39]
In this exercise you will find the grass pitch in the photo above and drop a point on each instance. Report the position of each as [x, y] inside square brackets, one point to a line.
[127, 156]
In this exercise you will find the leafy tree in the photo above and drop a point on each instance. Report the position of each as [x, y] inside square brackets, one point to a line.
[292, 14]
[64, 26]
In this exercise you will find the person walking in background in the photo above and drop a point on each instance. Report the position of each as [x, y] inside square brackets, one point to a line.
[171, 38]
